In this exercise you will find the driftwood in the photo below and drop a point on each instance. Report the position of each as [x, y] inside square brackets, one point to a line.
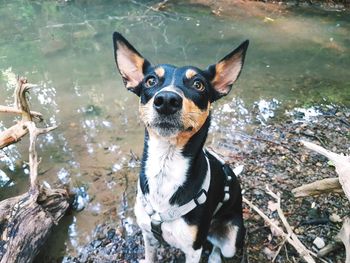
[27, 220]
[328, 185]
[341, 163]
[17, 131]
[335, 185]
[344, 236]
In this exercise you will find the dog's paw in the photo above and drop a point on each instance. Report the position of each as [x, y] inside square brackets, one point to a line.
[215, 256]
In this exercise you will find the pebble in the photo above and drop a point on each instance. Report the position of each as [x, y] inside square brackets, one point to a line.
[335, 218]
[319, 242]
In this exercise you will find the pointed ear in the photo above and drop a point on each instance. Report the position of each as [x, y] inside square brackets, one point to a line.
[130, 63]
[227, 70]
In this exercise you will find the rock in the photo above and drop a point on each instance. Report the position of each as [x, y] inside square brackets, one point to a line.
[335, 218]
[269, 253]
[319, 242]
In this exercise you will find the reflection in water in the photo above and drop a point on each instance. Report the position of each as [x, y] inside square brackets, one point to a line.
[304, 114]
[5, 180]
[266, 109]
[81, 199]
[64, 176]
[73, 233]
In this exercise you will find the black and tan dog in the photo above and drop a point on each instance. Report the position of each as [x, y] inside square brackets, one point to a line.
[186, 195]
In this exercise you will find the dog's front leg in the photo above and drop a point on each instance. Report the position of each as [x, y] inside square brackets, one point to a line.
[193, 256]
[151, 245]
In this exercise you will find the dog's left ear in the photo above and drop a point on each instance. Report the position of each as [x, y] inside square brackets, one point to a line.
[224, 73]
[130, 63]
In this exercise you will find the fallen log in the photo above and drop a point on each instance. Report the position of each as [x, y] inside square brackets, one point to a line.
[26, 220]
[26, 223]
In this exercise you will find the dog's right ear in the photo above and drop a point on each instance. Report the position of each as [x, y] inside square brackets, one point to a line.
[130, 63]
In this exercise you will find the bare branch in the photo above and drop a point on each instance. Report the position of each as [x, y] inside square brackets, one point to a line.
[341, 163]
[328, 185]
[7, 109]
[300, 248]
[34, 132]
[344, 235]
[17, 131]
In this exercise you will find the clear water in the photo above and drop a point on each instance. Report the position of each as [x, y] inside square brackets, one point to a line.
[296, 58]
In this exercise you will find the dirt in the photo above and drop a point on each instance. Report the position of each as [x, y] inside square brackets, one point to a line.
[272, 156]
[241, 8]
[266, 8]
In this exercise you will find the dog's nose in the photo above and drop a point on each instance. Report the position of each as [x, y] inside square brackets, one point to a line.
[167, 102]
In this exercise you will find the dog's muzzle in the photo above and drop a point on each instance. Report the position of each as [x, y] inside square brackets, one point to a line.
[167, 103]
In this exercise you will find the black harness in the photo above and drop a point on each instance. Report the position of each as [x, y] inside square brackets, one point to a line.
[200, 198]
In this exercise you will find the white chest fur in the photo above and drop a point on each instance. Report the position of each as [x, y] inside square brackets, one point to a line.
[165, 170]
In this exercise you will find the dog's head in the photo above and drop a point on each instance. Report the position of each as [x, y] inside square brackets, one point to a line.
[175, 101]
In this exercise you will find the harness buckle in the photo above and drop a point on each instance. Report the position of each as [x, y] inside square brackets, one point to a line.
[156, 219]
[201, 197]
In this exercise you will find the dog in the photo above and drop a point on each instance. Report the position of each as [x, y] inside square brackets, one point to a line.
[186, 194]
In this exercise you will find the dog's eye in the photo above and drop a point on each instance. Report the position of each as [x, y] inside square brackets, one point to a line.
[198, 85]
[151, 82]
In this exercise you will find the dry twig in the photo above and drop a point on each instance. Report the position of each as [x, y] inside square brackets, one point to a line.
[290, 237]
[341, 163]
[318, 187]
[17, 131]
[344, 236]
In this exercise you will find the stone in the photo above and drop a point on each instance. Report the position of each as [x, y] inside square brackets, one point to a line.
[319, 242]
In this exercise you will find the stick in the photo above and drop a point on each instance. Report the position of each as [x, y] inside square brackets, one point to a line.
[7, 109]
[34, 132]
[342, 165]
[344, 235]
[17, 131]
[318, 187]
[329, 248]
[279, 249]
[300, 248]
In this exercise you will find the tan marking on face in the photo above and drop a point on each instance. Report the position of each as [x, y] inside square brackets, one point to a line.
[190, 73]
[160, 72]
[192, 117]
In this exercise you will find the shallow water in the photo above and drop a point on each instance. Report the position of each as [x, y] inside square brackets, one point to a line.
[297, 58]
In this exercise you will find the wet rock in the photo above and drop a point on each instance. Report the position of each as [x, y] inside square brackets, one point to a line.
[111, 233]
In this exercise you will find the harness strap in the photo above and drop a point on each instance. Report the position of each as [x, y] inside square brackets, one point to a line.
[156, 229]
[230, 176]
[176, 212]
